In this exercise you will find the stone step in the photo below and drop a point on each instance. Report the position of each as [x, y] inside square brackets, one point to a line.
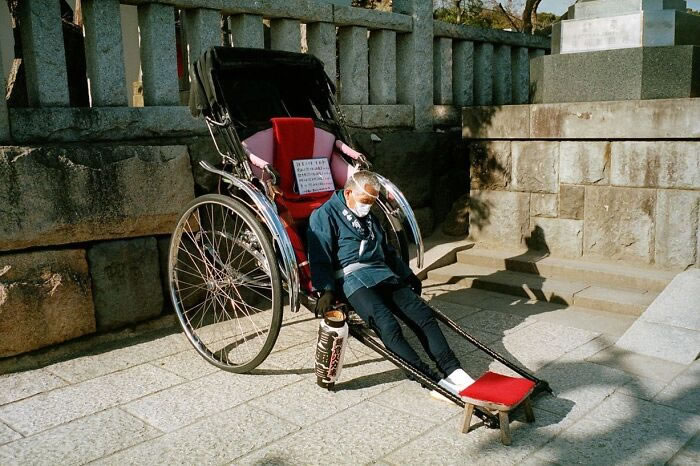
[552, 290]
[611, 275]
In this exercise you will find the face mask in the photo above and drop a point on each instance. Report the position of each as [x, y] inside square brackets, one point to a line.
[360, 209]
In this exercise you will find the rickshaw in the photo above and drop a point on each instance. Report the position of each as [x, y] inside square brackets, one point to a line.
[237, 257]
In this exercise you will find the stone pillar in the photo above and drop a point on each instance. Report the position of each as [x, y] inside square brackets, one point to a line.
[502, 75]
[158, 55]
[353, 65]
[202, 29]
[247, 31]
[521, 74]
[44, 54]
[463, 73]
[483, 73]
[415, 61]
[442, 71]
[320, 38]
[104, 55]
[382, 67]
[285, 34]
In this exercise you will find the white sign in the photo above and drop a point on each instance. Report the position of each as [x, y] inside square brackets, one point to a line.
[617, 32]
[313, 175]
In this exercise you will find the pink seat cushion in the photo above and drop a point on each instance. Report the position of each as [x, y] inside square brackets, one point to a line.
[498, 388]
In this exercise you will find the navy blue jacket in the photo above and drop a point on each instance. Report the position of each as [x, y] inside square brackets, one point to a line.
[337, 238]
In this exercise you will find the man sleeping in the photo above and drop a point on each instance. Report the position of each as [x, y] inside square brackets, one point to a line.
[349, 256]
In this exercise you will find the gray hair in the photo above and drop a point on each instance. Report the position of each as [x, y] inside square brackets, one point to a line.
[361, 178]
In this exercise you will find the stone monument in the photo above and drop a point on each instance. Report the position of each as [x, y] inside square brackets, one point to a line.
[620, 50]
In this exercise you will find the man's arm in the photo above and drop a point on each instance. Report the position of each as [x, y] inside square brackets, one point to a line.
[394, 260]
[319, 238]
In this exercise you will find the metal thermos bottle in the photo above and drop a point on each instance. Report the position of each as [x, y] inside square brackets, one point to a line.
[332, 340]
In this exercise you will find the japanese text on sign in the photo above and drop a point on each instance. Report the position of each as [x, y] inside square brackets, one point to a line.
[313, 175]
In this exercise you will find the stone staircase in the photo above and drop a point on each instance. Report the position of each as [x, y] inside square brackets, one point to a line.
[609, 291]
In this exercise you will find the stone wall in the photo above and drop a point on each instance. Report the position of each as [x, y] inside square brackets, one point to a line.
[550, 185]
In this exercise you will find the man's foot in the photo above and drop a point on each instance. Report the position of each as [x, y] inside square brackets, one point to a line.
[454, 383]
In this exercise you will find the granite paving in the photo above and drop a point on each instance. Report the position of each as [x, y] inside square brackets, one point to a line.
[154, 400]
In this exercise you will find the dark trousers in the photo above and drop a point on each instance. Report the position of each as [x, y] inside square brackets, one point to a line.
[378, 305]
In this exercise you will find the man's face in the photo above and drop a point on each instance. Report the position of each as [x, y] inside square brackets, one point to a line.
[367, 196]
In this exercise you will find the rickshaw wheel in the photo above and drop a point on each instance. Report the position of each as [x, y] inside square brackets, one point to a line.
[225, 283]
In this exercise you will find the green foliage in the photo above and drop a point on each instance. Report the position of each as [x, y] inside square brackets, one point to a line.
[475, 14]
[693, 12]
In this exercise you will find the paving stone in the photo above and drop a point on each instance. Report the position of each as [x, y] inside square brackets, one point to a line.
[452, 310]
[88, 367]
[171, 409]
[22, 385]
[411, 398]
[642, 387]
[689, 454]
[446, 445]
[499, 323]
[7, 434]
[189, 365]
[614, 300]
[623, 430]
[588, 319]
[637, 364]
[79, 441]
[673, 344]
[215, 439]
[682, 393]
[62, 405]
[374, 429]
[588, 349]
[579, 387]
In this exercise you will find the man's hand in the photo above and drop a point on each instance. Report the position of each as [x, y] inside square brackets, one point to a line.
[324, 303]
[414, 283]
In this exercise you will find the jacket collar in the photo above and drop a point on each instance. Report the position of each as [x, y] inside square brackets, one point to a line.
[343, 211]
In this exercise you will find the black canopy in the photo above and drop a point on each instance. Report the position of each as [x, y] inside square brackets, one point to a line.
[254, 85]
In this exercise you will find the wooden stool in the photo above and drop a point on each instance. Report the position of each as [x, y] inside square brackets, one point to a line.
[496, 392]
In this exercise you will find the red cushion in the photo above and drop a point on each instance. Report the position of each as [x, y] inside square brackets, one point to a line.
[300, 209]
[498, 388]
[293, 140]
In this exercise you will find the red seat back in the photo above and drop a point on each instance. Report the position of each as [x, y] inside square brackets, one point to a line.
[293, 140]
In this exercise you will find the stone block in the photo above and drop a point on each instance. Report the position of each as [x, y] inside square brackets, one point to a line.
[353, 65]
[677, 241]
[638, 119]
[69, 194]
[158, 54]
[285, 34]
[490, 164]
[483, 73]
[446, 115]
[382, 67]
[382, 116]
[126, 281]
[45, 298]
[560, 237]
[619, 223]
[602, 8]
[543, 205]
[584, 162]
[571, 201]
[352, 114]
[520, 59]
[44, 54]
[657, 164]
[374, 19]
[457, 220]
[320, 39]
[442, 71]
[163, 244]
[426, 221]
[624, 74]
[502, 75]
[499, 217]
[535, 166]
[35, 125]
[507, 122]
[104, 55]
[247, 31]
[202, 29]
[462, 72]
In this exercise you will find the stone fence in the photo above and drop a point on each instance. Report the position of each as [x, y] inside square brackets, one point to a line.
[89, 195]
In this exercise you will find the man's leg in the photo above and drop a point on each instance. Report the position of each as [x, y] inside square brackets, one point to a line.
[419, 317]
[369, 303]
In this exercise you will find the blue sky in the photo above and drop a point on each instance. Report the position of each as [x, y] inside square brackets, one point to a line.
[559, 6]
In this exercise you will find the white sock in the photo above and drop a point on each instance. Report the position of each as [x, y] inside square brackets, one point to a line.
[460, 378]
